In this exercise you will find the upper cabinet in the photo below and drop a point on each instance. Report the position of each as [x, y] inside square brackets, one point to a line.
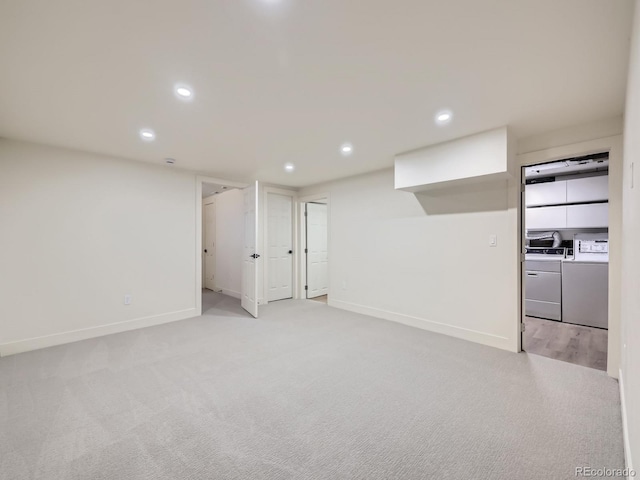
[589, 189]
[550, 193]
[543, 218]
[568, 204]
[590, 215]
[581, 190]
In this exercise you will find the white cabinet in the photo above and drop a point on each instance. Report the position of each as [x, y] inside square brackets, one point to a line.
[595, 215]
[563, 204]
[546, 218]
[550, 193]
[589, 189]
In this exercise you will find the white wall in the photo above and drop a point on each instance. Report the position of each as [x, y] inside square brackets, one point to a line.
[229, 241]
[630, 307]
[606, 127]
[425, 259]
[79, 231]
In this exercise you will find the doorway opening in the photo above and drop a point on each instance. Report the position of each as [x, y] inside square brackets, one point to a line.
[565, 278]
[222, 241]
[316, 250]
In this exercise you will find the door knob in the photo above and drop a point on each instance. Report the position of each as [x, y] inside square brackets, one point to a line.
[205, 250]
[255, 255]
[290, 251]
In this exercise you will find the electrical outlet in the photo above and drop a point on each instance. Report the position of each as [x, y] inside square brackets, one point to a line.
[493, 240]
[127, 299]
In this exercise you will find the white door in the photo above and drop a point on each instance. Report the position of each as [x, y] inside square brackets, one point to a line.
[317, 255]
[280, 243]
[209, 245]
[249, 291]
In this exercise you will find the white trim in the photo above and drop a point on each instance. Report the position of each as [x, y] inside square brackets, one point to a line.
[302, 240]
[519, 248]
[613, 145]
[314, 197]
[230, 293]
[265, 241]
[45, 341]
[565, 151]
[220, 181]
[483, 338]
[625, 425]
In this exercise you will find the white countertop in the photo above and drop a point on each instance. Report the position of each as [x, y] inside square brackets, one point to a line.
[551, 258]
[572, 260]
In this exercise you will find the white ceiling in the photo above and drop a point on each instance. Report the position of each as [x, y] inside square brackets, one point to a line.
[280, 81]
[209, 189]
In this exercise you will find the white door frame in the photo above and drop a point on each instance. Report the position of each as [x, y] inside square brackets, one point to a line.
[200, 179]
[302, 240]
[613, 145]
[210, 200]
[294, 231]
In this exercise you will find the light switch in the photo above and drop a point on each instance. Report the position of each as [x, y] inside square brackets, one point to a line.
[493, 240]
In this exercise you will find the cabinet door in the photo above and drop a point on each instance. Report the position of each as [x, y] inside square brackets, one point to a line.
[552, 193]
[594, 215]
[546, 218]
[548, 310]
[585, 294]
[543, 286]
[589, 189]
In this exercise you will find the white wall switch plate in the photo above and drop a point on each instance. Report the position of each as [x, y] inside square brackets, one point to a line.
[127, 299]
[493, 240]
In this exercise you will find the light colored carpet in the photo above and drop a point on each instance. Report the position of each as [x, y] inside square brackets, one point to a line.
[304, 392]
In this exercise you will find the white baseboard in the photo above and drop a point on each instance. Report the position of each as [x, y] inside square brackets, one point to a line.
[625, 426]
[231, 293]
[36, 343]
[483, 338]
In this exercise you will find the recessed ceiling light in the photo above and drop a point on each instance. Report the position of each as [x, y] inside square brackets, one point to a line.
[183, 92]
[289, 167]
[346, 149]
[443, 117]
[147, 135]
